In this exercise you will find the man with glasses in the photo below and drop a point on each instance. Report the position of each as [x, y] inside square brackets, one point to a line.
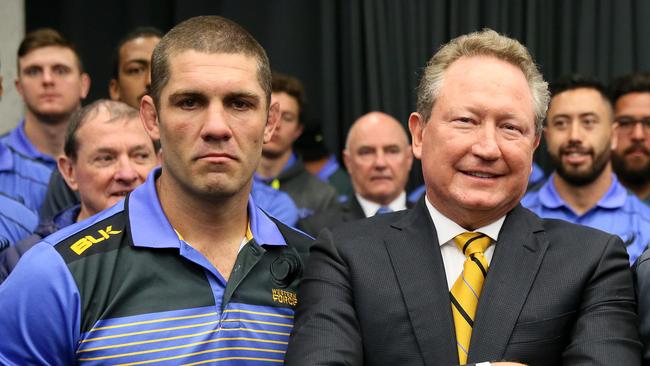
[583, 189]
[631, 157]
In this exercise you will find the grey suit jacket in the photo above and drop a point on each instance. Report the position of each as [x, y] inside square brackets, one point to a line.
[375, 293]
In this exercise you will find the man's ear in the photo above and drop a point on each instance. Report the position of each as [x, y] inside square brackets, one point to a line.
[85, 85]
[149, 117]
[66, 168]
[614, 139]
[272, 121]
[114, 89]
[416, 126]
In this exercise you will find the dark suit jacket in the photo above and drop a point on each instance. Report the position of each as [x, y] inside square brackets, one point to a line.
[375, 293]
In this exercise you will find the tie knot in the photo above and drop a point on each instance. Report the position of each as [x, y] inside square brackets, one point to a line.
[470, 243]
[383, 210]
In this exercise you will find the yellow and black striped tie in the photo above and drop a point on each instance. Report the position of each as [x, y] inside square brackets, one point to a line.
[467, 288]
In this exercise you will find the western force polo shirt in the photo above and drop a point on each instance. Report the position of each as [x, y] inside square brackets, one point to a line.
[618, 212]
[123, 288]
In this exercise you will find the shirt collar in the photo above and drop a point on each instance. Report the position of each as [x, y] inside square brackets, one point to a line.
[17, 140]
[6, 158]
[370, 208]
[614, 197]
[150, 227]
[447, 229]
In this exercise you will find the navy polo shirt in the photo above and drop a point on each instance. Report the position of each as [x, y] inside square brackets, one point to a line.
[122, 287]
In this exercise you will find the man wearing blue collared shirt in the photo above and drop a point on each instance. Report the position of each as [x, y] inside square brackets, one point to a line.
[583, 188]
[52, 84]
[186, 269]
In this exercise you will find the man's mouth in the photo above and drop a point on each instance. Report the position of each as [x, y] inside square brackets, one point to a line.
[477, 174]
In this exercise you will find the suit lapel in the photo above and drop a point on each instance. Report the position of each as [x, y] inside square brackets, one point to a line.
[517, 258]
[415, 255]
[352, 210]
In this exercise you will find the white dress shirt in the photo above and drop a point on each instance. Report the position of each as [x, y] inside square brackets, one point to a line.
[452, 256]
[370, 208]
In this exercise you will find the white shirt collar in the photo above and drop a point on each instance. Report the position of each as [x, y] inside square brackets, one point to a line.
[447, 229]
[370, 208]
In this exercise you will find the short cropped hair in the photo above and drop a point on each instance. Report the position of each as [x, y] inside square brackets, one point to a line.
[293, 87]
[46, 37]
[483, 43]
[118, 111]
[139, 32]
[208, 34]
[577, 81]
[636, 82]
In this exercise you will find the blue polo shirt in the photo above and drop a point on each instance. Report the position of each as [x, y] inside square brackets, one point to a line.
[23, 179]
[617, 212]
[16, 221]
[277, 203]
[122, 287]
[18, 141]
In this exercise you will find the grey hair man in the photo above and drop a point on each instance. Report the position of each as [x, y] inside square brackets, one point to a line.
[469, 275]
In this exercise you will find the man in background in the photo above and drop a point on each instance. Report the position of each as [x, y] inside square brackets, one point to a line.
[631, 156]
[378, 156]
[107, 154]
[583, 189]
[52, 83]
[280, 167]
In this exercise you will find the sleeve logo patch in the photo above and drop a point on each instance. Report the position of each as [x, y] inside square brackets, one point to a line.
[284, 297]
[87, 241]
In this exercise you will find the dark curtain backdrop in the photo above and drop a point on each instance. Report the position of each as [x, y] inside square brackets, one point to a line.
[360, 55]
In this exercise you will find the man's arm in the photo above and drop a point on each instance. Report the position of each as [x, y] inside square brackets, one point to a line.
[605, 332]
[642, 277]
[326, 330]
[39, 311]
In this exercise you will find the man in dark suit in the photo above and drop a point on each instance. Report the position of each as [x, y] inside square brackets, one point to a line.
[469, 275]
[378, 157]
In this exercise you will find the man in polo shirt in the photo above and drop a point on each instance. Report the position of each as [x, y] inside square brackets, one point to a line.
[583, 189]
[280, 166]
[185, 269]
[52, 84]
[631, 157]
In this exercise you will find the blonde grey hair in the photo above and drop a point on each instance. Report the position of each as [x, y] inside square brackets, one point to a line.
[483, 43]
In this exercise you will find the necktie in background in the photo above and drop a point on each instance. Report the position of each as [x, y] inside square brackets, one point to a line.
[466, 290]
[383, 210]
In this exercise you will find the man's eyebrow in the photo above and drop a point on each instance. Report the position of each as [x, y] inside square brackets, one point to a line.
[141, 61]
[242, 94]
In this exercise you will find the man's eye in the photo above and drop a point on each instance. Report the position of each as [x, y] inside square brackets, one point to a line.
[103, 159]
[141, 157]
[32, 71]
[188, 103]
[240, 105]
[134, 70]
[61, 70]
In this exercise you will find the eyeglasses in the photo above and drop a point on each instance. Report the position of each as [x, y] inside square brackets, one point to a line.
[628, 124]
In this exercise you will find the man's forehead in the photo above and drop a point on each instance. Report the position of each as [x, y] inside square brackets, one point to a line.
[138, 46]
[49, 55]
[190, 69]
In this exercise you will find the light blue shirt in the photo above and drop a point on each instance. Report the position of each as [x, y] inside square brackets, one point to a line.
[618, 212]
[22, 178]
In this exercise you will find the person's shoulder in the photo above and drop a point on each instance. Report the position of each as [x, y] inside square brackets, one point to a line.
[90, 231]
[637, 207]
[293, 237]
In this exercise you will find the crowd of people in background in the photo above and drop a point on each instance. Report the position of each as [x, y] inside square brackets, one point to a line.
[117, 217]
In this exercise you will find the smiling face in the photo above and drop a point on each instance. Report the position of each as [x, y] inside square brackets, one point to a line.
[212, 122]
[51, 83]
[578, 134]
[134, 74]
[477, 147]
[113, 158]
[378, 157]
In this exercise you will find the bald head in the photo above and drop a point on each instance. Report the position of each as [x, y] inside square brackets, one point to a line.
[378, 157]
